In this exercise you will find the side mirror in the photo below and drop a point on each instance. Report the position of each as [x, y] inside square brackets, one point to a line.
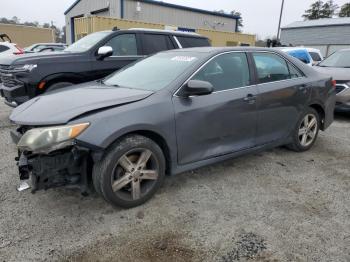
[104, 51]
[196, 88]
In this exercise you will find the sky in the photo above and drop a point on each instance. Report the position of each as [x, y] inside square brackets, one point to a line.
[260, 16]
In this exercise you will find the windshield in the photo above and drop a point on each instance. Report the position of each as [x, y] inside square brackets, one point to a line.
[154, 73]
[87, 42]
[338, 59]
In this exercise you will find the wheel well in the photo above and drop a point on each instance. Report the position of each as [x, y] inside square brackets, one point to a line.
[57, 80]
[320, 112]
[159, 140]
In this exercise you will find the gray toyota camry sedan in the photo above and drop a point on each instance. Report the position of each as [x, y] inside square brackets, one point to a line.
[169, 113]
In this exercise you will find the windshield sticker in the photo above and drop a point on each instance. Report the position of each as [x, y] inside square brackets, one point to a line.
[183, 58]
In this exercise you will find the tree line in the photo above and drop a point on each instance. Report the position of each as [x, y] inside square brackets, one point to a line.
[321, 9]
[60, 33]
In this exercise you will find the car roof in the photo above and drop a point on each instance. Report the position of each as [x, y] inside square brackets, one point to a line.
[291, 48]
[170, 32]
[313, 49]
[164, 31]
[7, 44]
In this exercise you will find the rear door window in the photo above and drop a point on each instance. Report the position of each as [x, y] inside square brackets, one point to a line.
[271, 67]
[294, 72]
[154, 43]
[187, 42]
[123, 45]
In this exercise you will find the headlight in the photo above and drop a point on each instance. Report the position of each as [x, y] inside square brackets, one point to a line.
[51, 138]
[27, 67]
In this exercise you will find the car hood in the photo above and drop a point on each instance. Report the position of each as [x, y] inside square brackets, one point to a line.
[34, 57]
[340, 74]
[61, 106]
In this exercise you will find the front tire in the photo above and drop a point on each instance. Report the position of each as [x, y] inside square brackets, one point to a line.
[306, 131]
[131, 172]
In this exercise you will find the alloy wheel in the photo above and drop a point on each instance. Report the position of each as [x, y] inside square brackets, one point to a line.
[308, 130]
[135, 174]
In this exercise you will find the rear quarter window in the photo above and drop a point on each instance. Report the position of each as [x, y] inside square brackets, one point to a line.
[315, 56]
[187, 42]
[154, 43]
[3, 48]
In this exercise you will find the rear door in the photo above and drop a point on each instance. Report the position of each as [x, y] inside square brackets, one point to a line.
[126, 49]
[283, 93]
[222, 122]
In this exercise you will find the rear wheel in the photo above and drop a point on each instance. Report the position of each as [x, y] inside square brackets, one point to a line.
[306, 131]
[131, 172]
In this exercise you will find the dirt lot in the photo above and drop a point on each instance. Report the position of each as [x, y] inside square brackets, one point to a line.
[273, 206]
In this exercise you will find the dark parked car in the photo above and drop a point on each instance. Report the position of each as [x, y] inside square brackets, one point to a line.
[92, 57]
[169, 113]
[338, 66]
[45, 47]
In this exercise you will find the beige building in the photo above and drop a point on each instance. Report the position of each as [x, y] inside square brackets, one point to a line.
[87, 25]
[154, 14]
[25, 36]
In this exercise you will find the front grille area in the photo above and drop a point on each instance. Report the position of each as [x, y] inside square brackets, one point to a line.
[5, 67]
[7, 78]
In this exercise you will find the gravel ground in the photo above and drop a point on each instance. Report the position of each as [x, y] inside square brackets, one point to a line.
[272, 206]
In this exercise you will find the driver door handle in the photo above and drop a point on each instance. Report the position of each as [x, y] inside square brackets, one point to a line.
[250, 98]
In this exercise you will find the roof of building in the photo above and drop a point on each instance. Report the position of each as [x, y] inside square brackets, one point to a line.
[181, 7]
[325, 22]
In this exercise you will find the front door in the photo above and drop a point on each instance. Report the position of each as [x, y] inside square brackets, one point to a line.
[222, 122]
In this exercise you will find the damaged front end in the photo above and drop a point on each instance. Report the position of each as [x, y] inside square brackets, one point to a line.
[63, 163]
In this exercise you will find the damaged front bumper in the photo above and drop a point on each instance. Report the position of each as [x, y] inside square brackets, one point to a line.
[65, 167]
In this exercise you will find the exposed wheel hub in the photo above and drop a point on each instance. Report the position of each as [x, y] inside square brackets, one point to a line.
[140, 169]
[308, 130]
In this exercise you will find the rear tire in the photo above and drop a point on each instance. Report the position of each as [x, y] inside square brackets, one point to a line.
[131, 172]
[306, 131]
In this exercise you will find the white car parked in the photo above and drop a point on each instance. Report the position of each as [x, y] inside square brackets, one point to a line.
[316, 55]
[7, 48]
[309, 56]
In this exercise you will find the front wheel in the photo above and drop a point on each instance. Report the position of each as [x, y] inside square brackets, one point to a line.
[306, 131]
[131, 172]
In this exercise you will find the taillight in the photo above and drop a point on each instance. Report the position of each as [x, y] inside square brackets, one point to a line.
[334, 83]
[19, 52]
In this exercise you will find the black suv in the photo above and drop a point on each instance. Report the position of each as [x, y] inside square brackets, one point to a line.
[92, 57]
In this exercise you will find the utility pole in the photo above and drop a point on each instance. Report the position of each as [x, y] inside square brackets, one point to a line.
[279, 24]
